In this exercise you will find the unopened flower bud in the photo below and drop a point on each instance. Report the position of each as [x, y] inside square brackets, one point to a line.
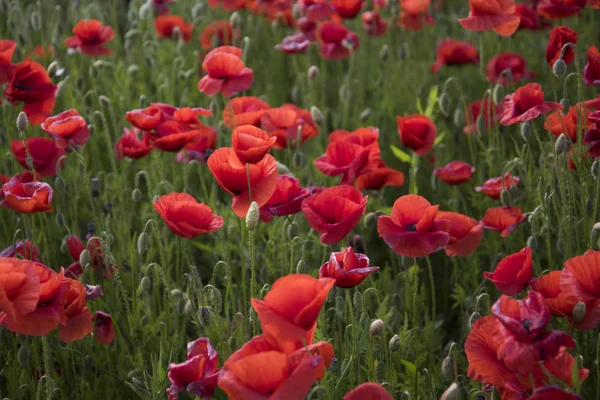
[142, 243]
[301, 267]
[444, 103]
[84, 258]
[145, 284]
[525, 130]
[459, 118]
[35, 20]
[596, 168]
[105, 101]
[579, 311]
[24, 357]
[295, 94]
[452, 393]
[357, 300]
[175, 293]
[383, 53]
[188, 308]
[316, 115]
[282, 169]
[52, 68]
[562, 144]
[498, 94]
[559, 69]
[235, 20]
[394, 344]
[313, 72]
[596, 227]
[474, 317]
[22, 122]
[60, 220]
[334, 366]
[252, 216]
[136, 195]
[376, 327]
[448, 368]
[480, 124]
[566, 103]
[505, 197]
[299, 159]
[364, 115]
[292, 231]
[133, 70]
[532, 242]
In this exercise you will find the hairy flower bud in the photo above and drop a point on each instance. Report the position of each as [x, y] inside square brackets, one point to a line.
[448, 368]
[376, 327]
[394, 344]
[452, 393]
[252, 216]
[316, 115]
[579, 311]
[566, 103]
[365, 114]
[22, 122]
[145, 284]
[357, 300]
[498, 94]
[313, 72]
[562, 144]
[559, 69]
[84, 258]
[142, 243]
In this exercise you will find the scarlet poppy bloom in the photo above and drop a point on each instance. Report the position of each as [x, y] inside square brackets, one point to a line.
[215, 34]
[19, 286]
[130, 145]
[373, 23]
[493, 186]
[592, 137]
[151, 117]
[413, 230]
[198, 374]
[175, 141]
[579, 282]
[414, 22]
[526, 104]
[507, 68]
[503, 219]
[337, 42]
[166, 25]
[557, 9]
[44, 152]
[334, 212]
[559, 36]
[366, 137]
[343, 158]
[228, 5]
[31, 85]
[244, 110]
[530, 19]
[417, 132]
[498, 15]
[368, 390]
[290, 320]
[558, 123]
[186, 217]
[454, 52]
[548, 285]
[513, 272]
[347, 9]
[250, 143]
[378, 177]
[288, 122]
[347, 268]
[226, 72]
[90, 37]
[465, 233]
[7, 49]
[455, 172]
[78, 322]
[489, 111]
[286, 200]
[293, 44]
[24, 248]
[27, 197]
[231, 174]
[318, 11]
[67, 128]
[591, 71]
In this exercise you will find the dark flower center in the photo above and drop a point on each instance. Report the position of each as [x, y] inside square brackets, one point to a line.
[412, 227]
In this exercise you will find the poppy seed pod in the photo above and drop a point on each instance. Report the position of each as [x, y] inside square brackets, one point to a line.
[444, 103]
[313, 72]
[559, 69]
[145, 284]
[357, 300]
[498, 94]
[562, 144]
[142, 243]
[394, 344]
[448, 368]
[579, 311]
[252, 217]
[316, 115]
[376, 327]
[22, 122]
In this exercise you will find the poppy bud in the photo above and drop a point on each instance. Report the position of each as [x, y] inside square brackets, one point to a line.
[295, 94]
[175, 293]
[339, 306]
[364, 115]
[474, 317]
[525, 130]
[505, 197]
[298, 159]
[358, 243]
[95, 185]
[498, 94]
[334, 366]
[188, 308]
[181, 305]
[104, 101]
[344, 93]
[301, 267]
[544, 230]
[316, 115]
[370, 220]
[133, 70]
[235, 20]
[376, 327]
[84, 258]
[444, 102]
[559, 69]
[579, 311]
[451, 393]
[22, 122]
[142, 243]
[562, 144]
[89, 363]
[313, 72]
[145, 284]
[252, 216]
[358, 301]
[403, 51]
[480, 124]
[566, 103]
[595, 168]
[459, 117]
[532, 242]
[136, 195]
[292, 231]
[448, 368]
[596, 227]
[383, 53]
[394, 344]
[24, 357]
[197, 11]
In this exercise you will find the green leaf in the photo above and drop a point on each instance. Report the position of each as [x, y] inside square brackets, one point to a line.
[431, 101]
[400, 155]
[439, 139]
[420, 106]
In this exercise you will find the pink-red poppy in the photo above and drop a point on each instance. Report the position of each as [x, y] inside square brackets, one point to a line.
[43, 151]
[465, 233]
[19, 286]
[558, 9]
[485, 108]
[591, 71]
[455, 172]
[530, 19]
[373, 24]
[91, 37]
[7, 49]
[336, 41]
[378, 177]
[244, 110]
[454, 52]
[104, 330]
[347, 9]
[334, 212]
[186, 217]
[288, 123]
[197, 375]
[493, 186]
[580, 282]
[28, 197]
[344, 158]
[497, 15]
[417, 132]
[367, 137]
[347, 268]
[295, 43]
[503, 219]
[250, 143]
[215, 34]
[133, 144]
[559, 36]
[68, 129]
[166, 25]
[226, 72]
[286, 200]
[526, 104]
[368, 390]
[151, 117]
[513, 272]
[507, 68]
[412, 230]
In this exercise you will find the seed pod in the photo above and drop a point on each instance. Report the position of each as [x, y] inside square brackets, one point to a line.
[252, 216]
[145, 284]
[474, 317]
[579, 311]
[376, 327]
[142, 243]
[364, 115]
[395, 344]
[559, 69]
[357, 300]
[444, 103]
[136, 195]
[498, 94]
[448, 368]
[316, 115]
[313, 72]
[24, 357]
[22, 122]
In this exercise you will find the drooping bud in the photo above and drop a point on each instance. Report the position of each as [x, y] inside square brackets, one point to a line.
[60, 220]
[525, 130]
[145, 284]
[498, 94]
[480, 124]
[383, 53]
[335, 365]
[505, 197]
[316, 115]
[562, 144]
[142, 243]
[301, 267]
[235, 20]
[532, 242]
[298, 159]
[474, 317]
[24, 357]
[579, 311]
[596, 227]
[444, 103]
[364, 115]
[566, 103]
[376, 327]
[370, 220]
[175, 293]
[22, 122]
[448, 368]
[313, 72]
[559, 69]
[395, 344]
[136, 195]
[104, 101]
[252, 216]
[596, 168]
[292, 231]
[84, 258]
[459, 118]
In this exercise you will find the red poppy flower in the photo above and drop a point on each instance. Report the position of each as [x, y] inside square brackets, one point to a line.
[334, 212]
[67, 128]
[161, 6]
[130, 145]
[465, 233]
[41, 53]
[78, 322]
[487, 109]
[592, 137]
[90, 37]
[559, 36]
[244, 110]
[373, 24]
[104, 331]
[215, 34]
[347, 268]
[493, 186]
[558, 123]
[286, 200]
[31, 85]
[186, 217]
[24, 248]
[231, 174]
[552, 393]
[454, 52]
[151, 117]
[198, 374]
[415, 6]
[368, 390]
[366, 137]
[226, 72]
[455, 172]
[594, 3]
[414, 22]
[228, 5]
[94, 246]
[175, 141]
[294, 44]
[347, 9]
[165, 26]
[558, 9]
[44, 152]
[19, 286]
[526, 104]
[27, 197]
[319, 11]
[250, 143]
[503, 219]
[513, 272]
[344, 158]
[507, 68]
[378, 177]
[591, 71]
[417, 132]
[413, 230]
[291, 320]
[286, 123]
[530, 19]
[7, 49]
[580, 282]
[337, 42]
[548, 285]
[498, 15]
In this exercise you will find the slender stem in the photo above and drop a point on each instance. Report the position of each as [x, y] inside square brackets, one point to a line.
[252, 275]
[432, 283]
[47, 364]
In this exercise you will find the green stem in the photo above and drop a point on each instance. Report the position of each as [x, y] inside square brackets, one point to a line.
[432, 283]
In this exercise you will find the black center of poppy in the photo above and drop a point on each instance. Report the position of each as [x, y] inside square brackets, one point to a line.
[412, 227]
[526, 325]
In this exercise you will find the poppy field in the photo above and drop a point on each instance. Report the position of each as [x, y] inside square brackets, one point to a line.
[300, 199]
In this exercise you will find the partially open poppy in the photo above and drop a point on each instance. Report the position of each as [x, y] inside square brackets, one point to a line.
[503, 219]
[377, 177]
[286, 200]
[343, 158]
[67, 128]
[226, 72]
[244, 110]
[507, 68]
[250, 143]
[288, 123]
[368, 390]
[455, 172]
[91, 37]
[417, 132]
[580, 282]
[526, 104]
[133, 144]
[591, 71]
[577, 116]
[454, 52]
[337, 42]
[186, 217]
[559, 36]
[497, 15]
[215, 34]
[43, 151]
[27, 197]
[7, 49]
[558, 9]
[513, 272]
[493, 186]
[166, 25]
[78, 322]
[465, 233]
[347, 268]
[19, 286]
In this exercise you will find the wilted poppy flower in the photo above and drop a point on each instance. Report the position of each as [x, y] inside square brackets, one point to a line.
[67, 128]
[455, 172]
[526, 104]
[373, 23]
[530, 19]
[244, 110]
[226, 72]
[130, 145]
[78, 318]
[215, 34]
[198, 374]
[27, 197]
[558, 123]
[489, 111]
[104, 331]
[19, 286]
[186, 217]
[413, 230]
[288, 122]
[498, 15]
[580, 282]
[591, 71]
[43, 151]
[24, 248]
[559, 36]
[167, 25]
[465, 233]
[503, 219]
[90, 37]
[288, 314]
[378, 177]
[493, 186]
[513, 272]
[231, 174]
[337, 42]
[343, 158]
[286, 200]
[31, 85]
[368, 390]
[417, 132]
[7, 49]
[295, 43]
[454, 52]
[507, 68]
[557, 9]
[250, 143]
[347, 268]
[334, 212]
